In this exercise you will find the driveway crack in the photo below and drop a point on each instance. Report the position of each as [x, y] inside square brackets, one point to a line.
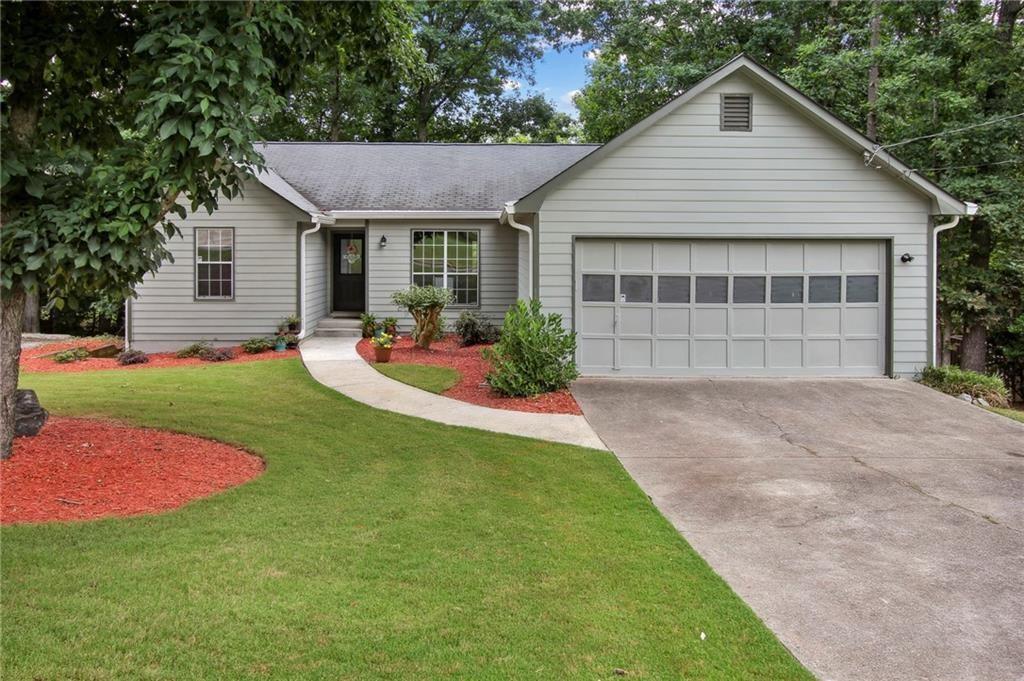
[784, 435]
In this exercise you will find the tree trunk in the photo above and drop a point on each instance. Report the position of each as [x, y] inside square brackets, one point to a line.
[876, 28]
[30, 324]
[12, 310]
[973, 348]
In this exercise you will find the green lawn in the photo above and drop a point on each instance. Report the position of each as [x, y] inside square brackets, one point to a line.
[430, 378]
[375, 546]
[1015, 414]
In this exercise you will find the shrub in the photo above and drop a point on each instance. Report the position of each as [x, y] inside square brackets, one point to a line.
[71, 355]
[389, 325]
[217, 354]
[255, 346]
[291, 340]
[383, 341]
[132, 357]
[953, 380]
[194, 350]
[369, 323]
[536, 354]
[474, 329]
[425, 304]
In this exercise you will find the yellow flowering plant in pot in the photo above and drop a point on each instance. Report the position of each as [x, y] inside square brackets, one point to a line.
[382, 344]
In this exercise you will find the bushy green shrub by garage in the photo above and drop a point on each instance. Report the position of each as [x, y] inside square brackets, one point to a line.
[194, 350]
[132, 357]
[536, 354]
[473, 329]
[953, 380]
[72, 355]
[255, 346]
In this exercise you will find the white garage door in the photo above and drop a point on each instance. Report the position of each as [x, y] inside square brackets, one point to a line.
[719, 308]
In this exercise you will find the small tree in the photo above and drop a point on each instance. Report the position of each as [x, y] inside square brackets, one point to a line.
[536, 354]
[425, 304]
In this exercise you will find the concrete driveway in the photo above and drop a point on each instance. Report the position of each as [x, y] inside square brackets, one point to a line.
[876, 526]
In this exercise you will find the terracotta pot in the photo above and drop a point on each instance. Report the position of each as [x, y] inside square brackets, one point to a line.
[383, 354]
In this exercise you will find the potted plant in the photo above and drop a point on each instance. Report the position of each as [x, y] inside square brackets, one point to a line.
[292, 322]
[390, 325]
[280, 344]
[291, 340]
[382, 345]
[369, 323]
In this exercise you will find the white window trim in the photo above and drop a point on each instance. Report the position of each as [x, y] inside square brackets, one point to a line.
[196, 263]
[444, 262]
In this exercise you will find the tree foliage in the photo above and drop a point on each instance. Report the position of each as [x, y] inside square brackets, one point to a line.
[942, 66]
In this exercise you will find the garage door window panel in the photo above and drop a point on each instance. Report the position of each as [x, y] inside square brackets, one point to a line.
[598, 288]
[862, 289]
[824, 289]
[712, 290]
[748, 290]
[787, 290]
[636, 288]
[674, 290]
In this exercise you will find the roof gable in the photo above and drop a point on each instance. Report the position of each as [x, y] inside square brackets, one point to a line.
[942, 201]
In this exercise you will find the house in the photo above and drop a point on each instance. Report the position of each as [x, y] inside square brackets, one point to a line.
[742, 229]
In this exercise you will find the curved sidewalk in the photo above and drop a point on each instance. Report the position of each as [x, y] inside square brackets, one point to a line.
[335, 363]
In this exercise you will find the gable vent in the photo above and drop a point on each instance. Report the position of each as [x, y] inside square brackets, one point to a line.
[736, 113]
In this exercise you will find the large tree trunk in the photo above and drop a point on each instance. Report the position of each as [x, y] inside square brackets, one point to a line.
[876, 30]
[12, 310]
[30, 324]
[973, 348]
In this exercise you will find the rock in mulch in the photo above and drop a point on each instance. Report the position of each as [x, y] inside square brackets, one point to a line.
[29, 416]
[965, 397]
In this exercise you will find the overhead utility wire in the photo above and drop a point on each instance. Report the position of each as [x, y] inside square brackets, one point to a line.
[881, 147]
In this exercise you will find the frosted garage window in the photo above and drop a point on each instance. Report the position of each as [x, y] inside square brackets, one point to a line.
[748, 290]
[823, 290]
[862, 289]
[788, 290]
[712, 289]
[673, 289]
[598, 288]
[636, 289]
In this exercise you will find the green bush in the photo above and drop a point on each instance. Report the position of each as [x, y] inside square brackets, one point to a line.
[536, 354]
[72, 355]
[217, 354]
[425, 304]
[132, 357]
[369, 324]
[953, 380]
[194, 350]
[474, 329]
[255, 346]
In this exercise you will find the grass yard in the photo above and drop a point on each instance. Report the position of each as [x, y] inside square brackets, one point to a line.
[1015, 414]
[430, 378]
[374, 546]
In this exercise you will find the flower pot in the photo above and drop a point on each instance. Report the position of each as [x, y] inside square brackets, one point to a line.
[383, 354]
[280, 346]
[391, 330]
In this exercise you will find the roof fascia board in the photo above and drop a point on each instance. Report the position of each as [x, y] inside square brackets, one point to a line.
[277, 184]
[942, 202]
[415, 214]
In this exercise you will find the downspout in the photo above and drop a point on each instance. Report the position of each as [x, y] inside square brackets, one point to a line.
[972, 209]
[509, 217]
[318, 222]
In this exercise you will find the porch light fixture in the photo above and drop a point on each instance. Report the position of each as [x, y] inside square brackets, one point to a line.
[906, 257]
[383, 241]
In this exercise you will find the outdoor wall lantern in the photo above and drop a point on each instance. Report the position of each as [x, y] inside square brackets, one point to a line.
[906, 257]
[383, 241]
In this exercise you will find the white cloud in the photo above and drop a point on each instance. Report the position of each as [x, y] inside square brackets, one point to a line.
[592, 55]
[510, 85]
[570, 96]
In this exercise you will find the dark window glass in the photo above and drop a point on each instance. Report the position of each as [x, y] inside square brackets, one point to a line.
[673, 289]
[712, 289]
[748, 289]
[823, 290]
[862, 288]
[214, 262]
[599, 288]
[787, 290]
[636, 289]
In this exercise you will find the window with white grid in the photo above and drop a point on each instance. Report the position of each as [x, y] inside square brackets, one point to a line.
[448, 259]
[215, 263]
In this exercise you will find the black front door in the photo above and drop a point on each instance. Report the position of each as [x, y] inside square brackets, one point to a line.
[349, 280]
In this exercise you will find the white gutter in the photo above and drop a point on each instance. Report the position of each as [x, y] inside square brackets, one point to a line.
[509, 216]
[972, 209]
[318, 222]
[415, 214]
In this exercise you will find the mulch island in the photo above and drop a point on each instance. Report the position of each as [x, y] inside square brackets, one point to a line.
[41, 358]
[82, 469]
[469, 362]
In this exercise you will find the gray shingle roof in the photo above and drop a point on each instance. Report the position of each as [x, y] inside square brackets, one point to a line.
[411, 176]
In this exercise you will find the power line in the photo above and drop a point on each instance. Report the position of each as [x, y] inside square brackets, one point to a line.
[954, 131]
[1019, 159]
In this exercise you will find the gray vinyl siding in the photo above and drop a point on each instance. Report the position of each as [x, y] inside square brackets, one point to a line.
[317, 245]
[390, 268]
[166, 314]
[787, 178]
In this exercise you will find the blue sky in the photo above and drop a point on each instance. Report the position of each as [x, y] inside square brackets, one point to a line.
[560, 73]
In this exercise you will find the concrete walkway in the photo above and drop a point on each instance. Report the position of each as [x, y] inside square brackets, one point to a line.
[335, 363]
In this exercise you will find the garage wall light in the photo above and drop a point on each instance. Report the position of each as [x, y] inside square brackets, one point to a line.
[906, 257]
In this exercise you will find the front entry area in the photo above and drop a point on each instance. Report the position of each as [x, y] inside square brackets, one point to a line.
[348, 282]
[676, 307]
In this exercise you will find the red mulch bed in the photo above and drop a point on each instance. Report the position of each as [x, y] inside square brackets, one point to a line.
[32, 359]
[473, 367]
[81, 469]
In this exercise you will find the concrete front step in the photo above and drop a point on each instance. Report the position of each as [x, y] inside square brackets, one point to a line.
[337, 333]
[339, 323]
